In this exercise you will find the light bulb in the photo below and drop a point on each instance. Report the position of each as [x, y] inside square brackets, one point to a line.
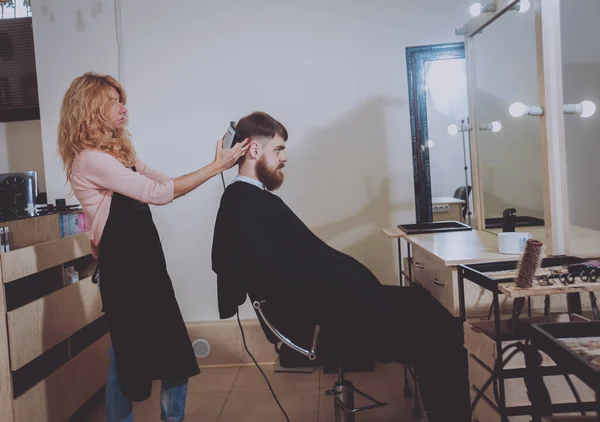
[453, 130]
[589, 109]
[475, 9]
[517, 109]
[524, 6]
[494, 126]
[584, 109]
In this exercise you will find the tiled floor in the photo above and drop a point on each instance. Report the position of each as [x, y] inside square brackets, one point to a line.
[242, 395]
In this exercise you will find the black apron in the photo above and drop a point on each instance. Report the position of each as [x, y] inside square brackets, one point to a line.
[148, 333]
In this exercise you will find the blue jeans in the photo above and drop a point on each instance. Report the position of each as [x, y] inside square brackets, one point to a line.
[120, 409]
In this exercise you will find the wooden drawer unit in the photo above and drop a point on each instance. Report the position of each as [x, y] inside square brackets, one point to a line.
[480, 344]
[439, 280]
[442, 281]
[481, 349]
[483, 411]
[54, 337]
[33, 259]
[420, 265]
[58, 396]
[40, 325]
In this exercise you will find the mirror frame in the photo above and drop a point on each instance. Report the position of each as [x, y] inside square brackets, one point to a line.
[416, 57]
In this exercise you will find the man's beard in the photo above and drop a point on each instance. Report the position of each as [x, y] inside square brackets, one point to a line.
[270, 177]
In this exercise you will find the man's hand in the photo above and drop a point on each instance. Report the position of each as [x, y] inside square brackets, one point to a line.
[226, 158]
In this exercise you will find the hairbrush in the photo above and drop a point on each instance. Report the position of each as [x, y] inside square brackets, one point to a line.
[529, 262]
[527, 266]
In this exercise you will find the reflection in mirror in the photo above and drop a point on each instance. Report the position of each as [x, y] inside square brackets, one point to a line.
[509, 147]
[449, 154]
[581, 89]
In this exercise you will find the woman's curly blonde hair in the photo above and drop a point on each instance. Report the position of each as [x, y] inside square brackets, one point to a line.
[84, 121]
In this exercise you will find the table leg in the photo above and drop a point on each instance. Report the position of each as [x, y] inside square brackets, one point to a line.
[407, 390]
[461, 295]
[574, 303]
[594, 305]
[497, 322]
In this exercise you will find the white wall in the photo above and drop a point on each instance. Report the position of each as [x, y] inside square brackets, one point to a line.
[70, 37]
[581, 81]
[21, 149]
[333, 72]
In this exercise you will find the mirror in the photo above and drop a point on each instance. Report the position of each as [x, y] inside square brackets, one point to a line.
[509, 148]
[581, 86]
[449, 153]
[438, 97]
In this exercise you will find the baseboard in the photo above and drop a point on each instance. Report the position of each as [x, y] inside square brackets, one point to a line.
[226, 345]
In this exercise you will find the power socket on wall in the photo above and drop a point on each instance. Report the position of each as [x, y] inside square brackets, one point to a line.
[441, 208]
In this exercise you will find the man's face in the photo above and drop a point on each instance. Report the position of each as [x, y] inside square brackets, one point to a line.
[270, 164]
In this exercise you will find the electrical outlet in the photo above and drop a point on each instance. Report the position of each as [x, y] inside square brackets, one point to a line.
[441, 208]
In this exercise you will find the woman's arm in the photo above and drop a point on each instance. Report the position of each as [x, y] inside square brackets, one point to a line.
[224, 159]
[153, 174]
[104, 171]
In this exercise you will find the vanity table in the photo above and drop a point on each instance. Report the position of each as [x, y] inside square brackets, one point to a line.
[532, 82]
[433, 259]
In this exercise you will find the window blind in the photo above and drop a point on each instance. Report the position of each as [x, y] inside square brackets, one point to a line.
[18, 79]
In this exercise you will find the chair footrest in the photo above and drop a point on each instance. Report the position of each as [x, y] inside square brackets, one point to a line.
[376, 403]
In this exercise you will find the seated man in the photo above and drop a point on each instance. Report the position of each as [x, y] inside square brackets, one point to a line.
[261, 248]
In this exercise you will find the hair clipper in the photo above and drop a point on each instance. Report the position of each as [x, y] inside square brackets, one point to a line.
[231, 136]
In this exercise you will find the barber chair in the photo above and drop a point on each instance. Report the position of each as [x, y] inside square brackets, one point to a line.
[343, 390]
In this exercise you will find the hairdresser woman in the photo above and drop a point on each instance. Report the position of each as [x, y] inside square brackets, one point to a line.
[148, 334]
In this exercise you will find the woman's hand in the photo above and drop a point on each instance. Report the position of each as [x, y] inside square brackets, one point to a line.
[226, 158]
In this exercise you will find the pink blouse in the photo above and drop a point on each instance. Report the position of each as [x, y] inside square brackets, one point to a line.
[96, 175]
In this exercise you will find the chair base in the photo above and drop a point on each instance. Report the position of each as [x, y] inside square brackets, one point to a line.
[343, 399]
[344, 391]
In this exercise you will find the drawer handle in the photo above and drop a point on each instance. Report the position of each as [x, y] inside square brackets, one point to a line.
[439, 283]
[419, 266]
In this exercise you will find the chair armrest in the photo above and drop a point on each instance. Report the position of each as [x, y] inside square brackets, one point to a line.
[310, 354]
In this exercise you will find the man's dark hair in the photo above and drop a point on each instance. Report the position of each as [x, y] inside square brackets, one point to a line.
[259, 124]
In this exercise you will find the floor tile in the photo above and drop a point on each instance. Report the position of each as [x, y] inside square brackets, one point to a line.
[250, 379]
[260, 406]
[214, 380]
[200, 407]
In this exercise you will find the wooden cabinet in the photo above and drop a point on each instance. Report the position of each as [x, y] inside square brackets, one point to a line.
[482, 354]
[54, 338]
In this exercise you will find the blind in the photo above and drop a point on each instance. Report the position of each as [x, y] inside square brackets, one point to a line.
[18, 80]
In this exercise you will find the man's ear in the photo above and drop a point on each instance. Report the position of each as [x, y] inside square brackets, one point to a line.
[254, 149]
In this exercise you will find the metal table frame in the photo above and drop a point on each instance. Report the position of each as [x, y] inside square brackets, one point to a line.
[408, 393]
[545, 338]
[474, 273]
